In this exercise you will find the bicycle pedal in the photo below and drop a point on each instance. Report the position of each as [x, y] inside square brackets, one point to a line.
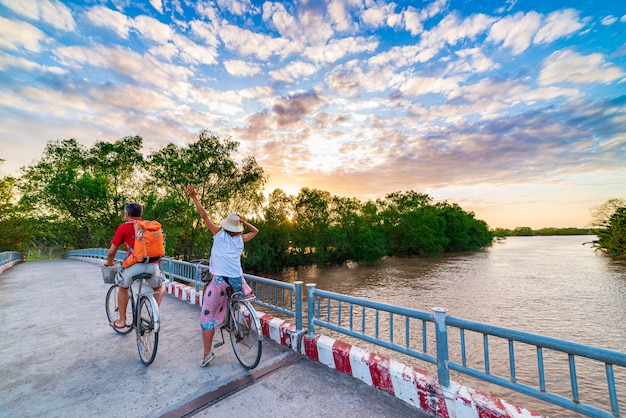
[221, 343]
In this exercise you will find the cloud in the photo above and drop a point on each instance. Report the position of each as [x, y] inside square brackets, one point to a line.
[290, 110]
[110, 19]
[608, 20]
[240, 68]
[381, 14]
[119, 63]
[247, 43]
[516, 32]
[152, 30]
[567, 66]
[337, 49]
[340, 18]
[417, 86]
[236, 7]
[471, 61]
[15, 35]
[158, 6]
[451, 30]
[293, 71]
[559, 24]
[52, 12]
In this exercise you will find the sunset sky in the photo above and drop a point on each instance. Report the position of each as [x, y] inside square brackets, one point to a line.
[515, 110]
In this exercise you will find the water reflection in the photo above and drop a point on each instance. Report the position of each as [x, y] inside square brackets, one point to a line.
[553, 286]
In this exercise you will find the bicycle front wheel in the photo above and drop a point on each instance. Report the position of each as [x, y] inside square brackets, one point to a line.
[147, 334]
[245, 335]
[113, 311]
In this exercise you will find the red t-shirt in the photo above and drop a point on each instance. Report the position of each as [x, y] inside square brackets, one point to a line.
[125, 234]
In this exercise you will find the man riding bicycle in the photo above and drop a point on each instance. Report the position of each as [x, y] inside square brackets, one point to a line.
[125, 234]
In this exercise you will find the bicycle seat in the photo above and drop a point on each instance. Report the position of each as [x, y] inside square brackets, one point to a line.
[142, 276]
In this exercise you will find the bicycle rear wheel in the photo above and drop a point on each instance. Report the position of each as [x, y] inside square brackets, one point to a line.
[245, 335]
[113, 312]
[147, 335]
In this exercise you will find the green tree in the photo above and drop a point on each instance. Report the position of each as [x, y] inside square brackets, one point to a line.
[463, 231]
[77, 193]
[355, 231]
[270, 251]
[15, 233]
[411, 224]
[612, 238]
[223, 187]
[311, 226]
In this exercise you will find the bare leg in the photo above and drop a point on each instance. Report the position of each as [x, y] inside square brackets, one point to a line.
[122, 303]
[207, 339]
[158, 294]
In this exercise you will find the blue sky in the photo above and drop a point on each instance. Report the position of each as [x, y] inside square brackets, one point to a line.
[514, 110]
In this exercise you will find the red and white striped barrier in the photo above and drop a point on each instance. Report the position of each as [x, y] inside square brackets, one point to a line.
[413, 386]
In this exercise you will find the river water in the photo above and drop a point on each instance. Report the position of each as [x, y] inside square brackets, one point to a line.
[553, 286]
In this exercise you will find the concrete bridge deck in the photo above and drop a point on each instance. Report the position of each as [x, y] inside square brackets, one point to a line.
[59, 358]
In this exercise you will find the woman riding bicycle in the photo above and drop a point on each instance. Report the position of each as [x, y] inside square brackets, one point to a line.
[225, 268]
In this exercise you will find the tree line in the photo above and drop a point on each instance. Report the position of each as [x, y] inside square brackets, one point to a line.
[526, 231]
[73, 197]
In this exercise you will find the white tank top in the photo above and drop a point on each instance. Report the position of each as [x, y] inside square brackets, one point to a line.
[226, 255]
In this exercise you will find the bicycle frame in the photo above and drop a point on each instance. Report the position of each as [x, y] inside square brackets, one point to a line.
[145, 316]
[135, 304]
[243, 326]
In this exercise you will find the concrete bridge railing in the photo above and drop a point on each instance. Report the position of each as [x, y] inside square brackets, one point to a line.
[10, 258]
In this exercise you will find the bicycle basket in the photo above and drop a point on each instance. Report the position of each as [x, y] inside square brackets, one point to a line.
[108, 274]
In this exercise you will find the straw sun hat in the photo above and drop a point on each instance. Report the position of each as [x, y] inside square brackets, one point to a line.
[232, 223]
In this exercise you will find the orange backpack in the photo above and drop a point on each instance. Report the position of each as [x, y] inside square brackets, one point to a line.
[149, 243]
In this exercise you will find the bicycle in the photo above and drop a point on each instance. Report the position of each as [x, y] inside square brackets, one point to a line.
[143, 317]
[241, 322]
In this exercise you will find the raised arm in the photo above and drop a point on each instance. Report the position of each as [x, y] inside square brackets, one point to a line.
[194, 196]
[252, 230]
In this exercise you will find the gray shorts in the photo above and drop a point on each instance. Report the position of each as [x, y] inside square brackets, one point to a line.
[125, 276]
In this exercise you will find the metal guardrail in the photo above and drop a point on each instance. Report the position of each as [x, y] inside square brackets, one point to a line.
[7, 257]
[410, 332]
[422, 335]
[285, 298]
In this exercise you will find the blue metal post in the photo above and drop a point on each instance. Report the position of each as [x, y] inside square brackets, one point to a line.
[311, 308]
[441, 339]
[298, 313]
[196, 276]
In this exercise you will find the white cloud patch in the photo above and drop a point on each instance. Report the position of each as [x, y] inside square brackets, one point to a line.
[567, 66]
[240, 68]
[416, 86]
[516, 32]
[236, 7]
[558, 25]
[158, 5]
[293, 71]
[51, 12]
[110, 19]
[15, 35]
[153, 30]
[339, 48]
[473, 61]
[340, 18]
[248, 43]
[608, 20]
